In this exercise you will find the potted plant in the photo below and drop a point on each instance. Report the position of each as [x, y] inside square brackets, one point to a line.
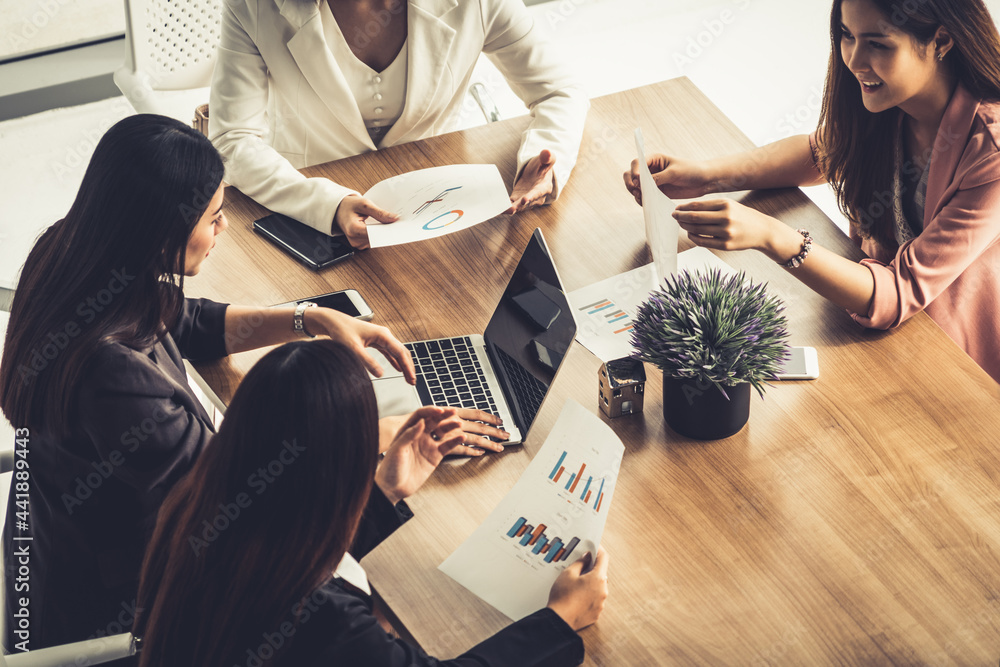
[713, 337]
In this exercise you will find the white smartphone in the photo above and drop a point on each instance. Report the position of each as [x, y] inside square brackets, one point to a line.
[802, 365]
[347, 301]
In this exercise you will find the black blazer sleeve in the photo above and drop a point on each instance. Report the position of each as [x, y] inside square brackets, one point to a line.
[344, 633]
[341, 629]
[378, 522]
[200, 332]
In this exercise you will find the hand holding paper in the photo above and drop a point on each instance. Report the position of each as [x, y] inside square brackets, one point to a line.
[580, 591]
[661, 228]
[554, 515]
[436, 201]
[352, 218]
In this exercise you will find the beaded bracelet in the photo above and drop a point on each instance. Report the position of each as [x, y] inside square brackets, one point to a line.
[807, 245]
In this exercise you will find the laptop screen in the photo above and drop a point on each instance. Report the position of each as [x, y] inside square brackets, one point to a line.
[530, 331]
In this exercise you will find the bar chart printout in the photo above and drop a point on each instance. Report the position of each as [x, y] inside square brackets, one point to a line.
[547, 521]
[539, 544]
[592, 489]
[604, 310]
[616, 318]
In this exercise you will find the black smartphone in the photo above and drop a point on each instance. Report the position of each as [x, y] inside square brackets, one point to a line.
[347, 301]
[313, 248]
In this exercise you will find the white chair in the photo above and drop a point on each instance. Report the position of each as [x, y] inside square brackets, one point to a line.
[89, 652]
[6, 430]
[170, 47]
[485, 101]
[209, 399]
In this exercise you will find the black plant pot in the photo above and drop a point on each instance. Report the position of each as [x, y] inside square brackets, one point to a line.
[703, 412]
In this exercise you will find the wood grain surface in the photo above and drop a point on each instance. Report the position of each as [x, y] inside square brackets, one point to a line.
[855, 520]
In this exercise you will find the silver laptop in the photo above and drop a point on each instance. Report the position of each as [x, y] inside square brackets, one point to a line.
[507, 370]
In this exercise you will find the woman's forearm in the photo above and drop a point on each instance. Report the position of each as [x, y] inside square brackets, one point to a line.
[783, 164]
[248, 328]
[846, 283]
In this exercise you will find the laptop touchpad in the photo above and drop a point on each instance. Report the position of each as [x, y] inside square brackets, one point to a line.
[393, 394]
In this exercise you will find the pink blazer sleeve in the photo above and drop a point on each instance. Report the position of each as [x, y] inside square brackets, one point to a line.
[966, 226]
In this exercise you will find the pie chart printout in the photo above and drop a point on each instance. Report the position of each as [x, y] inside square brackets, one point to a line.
[436, 201]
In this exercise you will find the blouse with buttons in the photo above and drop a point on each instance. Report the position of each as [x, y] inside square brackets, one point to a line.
[380, 95]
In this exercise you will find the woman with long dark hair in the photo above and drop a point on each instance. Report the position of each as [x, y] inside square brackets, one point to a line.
[93, 373]
[249, 563]
[908, 138]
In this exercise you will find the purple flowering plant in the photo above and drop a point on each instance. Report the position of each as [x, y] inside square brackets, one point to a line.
[710, 328]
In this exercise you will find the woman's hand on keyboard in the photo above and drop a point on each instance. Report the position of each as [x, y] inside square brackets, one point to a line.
[479, 427]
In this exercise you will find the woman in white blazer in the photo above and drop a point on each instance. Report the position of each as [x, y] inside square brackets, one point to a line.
[286, 94]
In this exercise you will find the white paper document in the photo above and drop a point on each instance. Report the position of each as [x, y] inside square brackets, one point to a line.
[554, 515]
[605, 311]
[662, 230]
[436, 201]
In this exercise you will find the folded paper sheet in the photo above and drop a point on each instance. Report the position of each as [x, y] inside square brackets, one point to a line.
[554, 515]
[662, 230]
[436, 201]
[604, 311]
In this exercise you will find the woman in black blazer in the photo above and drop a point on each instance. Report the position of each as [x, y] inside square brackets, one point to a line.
[253, 561]
[93, 378]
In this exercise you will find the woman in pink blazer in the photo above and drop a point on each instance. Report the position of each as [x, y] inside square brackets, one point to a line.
[908, 139]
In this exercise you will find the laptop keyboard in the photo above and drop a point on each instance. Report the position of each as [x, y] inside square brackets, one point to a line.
[452, 373]
[530, 391]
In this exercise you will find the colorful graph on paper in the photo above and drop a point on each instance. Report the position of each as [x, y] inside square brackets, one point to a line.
[591, 492]
[615, 317]
[436, 201]
[536, 542]
[543, 524]
[434, 223]
[604, 310]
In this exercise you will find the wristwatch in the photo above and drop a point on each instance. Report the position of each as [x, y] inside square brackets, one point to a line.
[298, 321]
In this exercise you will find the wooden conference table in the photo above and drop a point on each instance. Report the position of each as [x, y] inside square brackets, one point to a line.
[855, 520]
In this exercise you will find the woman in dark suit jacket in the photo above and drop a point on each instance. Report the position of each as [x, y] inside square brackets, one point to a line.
[252, 568]
[93, 378]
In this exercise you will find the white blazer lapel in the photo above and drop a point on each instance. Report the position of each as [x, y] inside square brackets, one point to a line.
[309, 49]
[428, 42]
